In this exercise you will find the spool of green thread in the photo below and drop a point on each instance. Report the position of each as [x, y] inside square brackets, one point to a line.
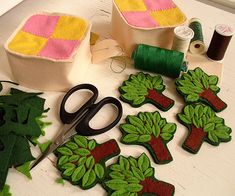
[158, 60]
[197, 45]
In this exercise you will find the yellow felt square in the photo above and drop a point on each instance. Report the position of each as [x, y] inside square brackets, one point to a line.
[26, 43]
[131, 5]
[70, 28]
[169, 17]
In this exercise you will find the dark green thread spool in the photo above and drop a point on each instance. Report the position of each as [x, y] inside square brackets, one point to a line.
[197, 45]
[158, 60]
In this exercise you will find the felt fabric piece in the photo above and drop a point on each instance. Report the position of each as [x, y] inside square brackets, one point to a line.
[54, 37]
[18, 113]
[131, 5]
[169, 17]
[144, 88]
[70, 28]
[41, 25]
[197, 86]
[164, 12]
[203, 125]
[151, 131]
[159, 4]
[5, 191]
[82, 161]
[27, 44]
[135, 176]
[138, 19]
[59, 49]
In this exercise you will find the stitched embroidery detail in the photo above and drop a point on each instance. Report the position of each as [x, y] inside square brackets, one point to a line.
[150, 13]
[54, 37]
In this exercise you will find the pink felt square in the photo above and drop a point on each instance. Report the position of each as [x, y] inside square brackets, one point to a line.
[154, 5]
[59, 49]
[41, 25]
[140, 19]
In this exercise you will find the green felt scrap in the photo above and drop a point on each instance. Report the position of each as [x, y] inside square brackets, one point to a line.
[60, 181]
[19, 114]
[82, 161]
[25, 169]
[5, 191]
[135, 176]
[44, 146]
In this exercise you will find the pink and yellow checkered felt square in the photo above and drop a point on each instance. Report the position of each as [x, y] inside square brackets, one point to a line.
[49, 36]
[145, 13]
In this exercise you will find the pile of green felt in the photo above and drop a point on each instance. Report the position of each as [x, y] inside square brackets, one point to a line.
[20, 122]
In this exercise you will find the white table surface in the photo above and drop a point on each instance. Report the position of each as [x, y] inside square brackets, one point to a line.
[210, 172]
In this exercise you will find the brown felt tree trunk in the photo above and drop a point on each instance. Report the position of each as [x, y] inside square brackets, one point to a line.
[195, 139]
[217, 104]
[164, 102]
[156, 187]
[160, 151]
[105, 150]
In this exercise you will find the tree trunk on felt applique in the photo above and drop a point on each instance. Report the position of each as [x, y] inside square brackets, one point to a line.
[204, 125]
[196, 85]
[135, 176]
[159, 99]
[195, 139]
[214, 100]
[142, 88]
[160, 151]
[105, 150]
[82, 161]
[152, 131]
[156, 187]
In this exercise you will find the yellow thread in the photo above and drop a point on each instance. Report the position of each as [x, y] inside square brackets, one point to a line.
[131, 5]
[168, 17]
[70, 28]
[26, 43]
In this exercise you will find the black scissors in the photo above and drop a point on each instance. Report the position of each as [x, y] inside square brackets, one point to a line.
[78, 122]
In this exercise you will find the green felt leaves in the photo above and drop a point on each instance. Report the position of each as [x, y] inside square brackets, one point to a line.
[136, 88]
[142, 88]
[129, 176]
[5, 191]
[19, 115]
[203, 122]
[196, 85]
[81, 161]
[150, 130]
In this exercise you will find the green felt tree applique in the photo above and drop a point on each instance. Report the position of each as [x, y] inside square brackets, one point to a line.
[196, 85]
[18, 113]
[135, 176]
[144, 88]
[203, 125]
[82, 161]
[151, 131]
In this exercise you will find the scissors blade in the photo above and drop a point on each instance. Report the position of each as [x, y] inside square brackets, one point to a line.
[64, 133]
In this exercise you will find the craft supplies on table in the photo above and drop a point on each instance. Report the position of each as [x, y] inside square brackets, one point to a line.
[219, 42]
[159, 60]
[197, 45]
[145, 22]
[182, 38]
[79, 121]
[50, 51]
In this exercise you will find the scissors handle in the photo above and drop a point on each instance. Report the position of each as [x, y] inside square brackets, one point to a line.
[88, 111]
[67, 117]
[84, 128]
